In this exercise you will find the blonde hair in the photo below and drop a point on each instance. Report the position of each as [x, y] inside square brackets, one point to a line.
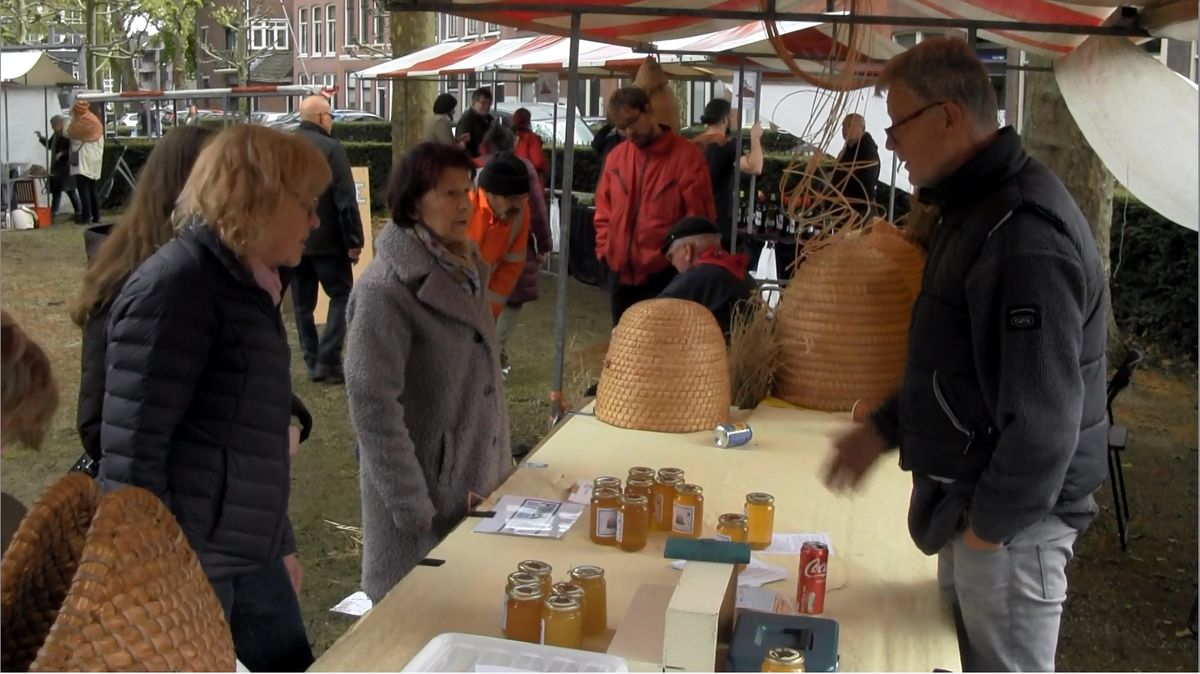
[244, 176]
[28, 394]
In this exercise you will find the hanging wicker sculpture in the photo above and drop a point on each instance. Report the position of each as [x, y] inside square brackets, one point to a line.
[652, 79]
[666, 370]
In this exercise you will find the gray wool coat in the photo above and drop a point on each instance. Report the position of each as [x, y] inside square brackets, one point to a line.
[423, 378]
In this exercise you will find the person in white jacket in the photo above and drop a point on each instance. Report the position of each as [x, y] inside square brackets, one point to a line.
[87, 159]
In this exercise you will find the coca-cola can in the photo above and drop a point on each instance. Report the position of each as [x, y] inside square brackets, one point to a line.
[814, 569]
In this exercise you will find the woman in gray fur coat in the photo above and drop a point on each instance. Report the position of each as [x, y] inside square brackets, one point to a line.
[423, 370]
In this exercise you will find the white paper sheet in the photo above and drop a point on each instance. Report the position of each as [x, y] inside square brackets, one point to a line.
[582, 493]
[762, 599]
[790, 544]
[755, 574]
[356, 604]
[528, 516]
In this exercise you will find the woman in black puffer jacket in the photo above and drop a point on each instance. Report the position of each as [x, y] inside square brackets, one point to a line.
[198, 397]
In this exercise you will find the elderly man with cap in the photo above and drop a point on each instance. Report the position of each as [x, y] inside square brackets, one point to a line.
[708, 274]
[499, 223]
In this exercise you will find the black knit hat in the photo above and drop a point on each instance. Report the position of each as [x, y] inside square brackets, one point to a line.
[691, 225]
[505, 175]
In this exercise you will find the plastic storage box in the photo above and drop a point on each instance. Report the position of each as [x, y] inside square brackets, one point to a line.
[452, 652]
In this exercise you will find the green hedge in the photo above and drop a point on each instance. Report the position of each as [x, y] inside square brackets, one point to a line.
[363, 132]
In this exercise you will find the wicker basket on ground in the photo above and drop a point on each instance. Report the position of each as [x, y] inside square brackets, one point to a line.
[843, 321]
[38, 567]
[139, 601]
[666, 370]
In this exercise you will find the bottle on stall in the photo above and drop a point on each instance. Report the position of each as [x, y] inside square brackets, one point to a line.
[732, 527]
[605, 503]
[633, 522]
[687, 518]
[571, 589]
[792, 226]
[742, 220]
[523, 613]
[663, 496]
[542, 570]
[760, 209]
[562, 622]
[773, 212]
[783, 660]
[642, 486]
[595, 616]
[781, 218]
[760, 516]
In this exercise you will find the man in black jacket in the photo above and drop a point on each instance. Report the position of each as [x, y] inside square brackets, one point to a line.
[476, 120]
[708, 274]
[856, 172]
[331, 250]
[60, 167]
[1001, 414]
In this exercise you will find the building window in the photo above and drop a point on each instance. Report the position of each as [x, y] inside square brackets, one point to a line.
[204, 36]
[351, 29]
[303, 21]
[381, 29]
[472, 27]
[351, 90]
[366, 97]
[364, 20]
[303, 78]
[492, 29]
[381, 102]
[318, 24]
[331, 33]
[269, 34]
[331, 83]
[258, 35]
[279, 34]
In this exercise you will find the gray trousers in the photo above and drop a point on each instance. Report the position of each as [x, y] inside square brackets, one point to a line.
[1009, 601]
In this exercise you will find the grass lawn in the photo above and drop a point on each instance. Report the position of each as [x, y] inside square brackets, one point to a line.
[1125, 611]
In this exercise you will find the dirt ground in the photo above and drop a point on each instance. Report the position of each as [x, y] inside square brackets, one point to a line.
[1126, 611]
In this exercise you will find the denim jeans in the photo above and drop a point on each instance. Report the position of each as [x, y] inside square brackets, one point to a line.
[264, 615]
[334, 274]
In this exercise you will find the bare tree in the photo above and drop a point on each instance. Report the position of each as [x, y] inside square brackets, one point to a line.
[239, 19]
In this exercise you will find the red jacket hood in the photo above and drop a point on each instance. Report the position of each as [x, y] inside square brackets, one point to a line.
[719, 257]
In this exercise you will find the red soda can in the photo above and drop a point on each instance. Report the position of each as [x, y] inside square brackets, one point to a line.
[814, 569]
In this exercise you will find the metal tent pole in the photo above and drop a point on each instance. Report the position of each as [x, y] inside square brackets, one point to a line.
[553, 145]
[737, 163]
[564, 224]
[892, 193]
[757, 108]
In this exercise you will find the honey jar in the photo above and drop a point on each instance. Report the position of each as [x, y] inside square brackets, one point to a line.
[523, 613]
[687, 518]
[542, 570]
[663, 496]
[641, 472]
[562, 622]
[606, 481]
[732, 527]
[633, 522]
[760, 518]
[605, 503]
[595, 603]
[642, 486]
[783, 660]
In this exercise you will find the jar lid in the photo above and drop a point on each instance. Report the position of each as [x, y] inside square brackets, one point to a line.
[640, 481]
[567, 590]
[732, 518]
[526, 592]
[785, 656]
[535, 567]
[607, 481]
[671, 479]
[670, 471]
[759, 497]
[689, 489]
[521, 578]
[635, 499]
[641, 471]
[560, 602]
[606, 492]
[587, 571]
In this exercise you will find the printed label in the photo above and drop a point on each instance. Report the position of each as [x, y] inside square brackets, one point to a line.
[606, 522]
[620, 526]
[658, 508]
[504, 617]
[723, 537]
[542, 635]
[684, 520]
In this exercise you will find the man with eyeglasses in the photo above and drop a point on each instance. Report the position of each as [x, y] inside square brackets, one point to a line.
[649, 182]
[330, 251]
[1001, 414]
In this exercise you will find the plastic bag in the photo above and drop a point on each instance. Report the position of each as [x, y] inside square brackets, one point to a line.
[555, 224]
[767, 274]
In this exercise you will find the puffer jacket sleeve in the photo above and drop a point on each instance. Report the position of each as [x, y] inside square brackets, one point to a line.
[91, 382]
[160, 334]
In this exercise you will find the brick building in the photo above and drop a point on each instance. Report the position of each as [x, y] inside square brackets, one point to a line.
[267, 47]
[334, 39]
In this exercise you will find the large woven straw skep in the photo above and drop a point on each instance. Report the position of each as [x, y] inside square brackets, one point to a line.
[139, 601]
[666, 370]
[38, 567]
[843, 320]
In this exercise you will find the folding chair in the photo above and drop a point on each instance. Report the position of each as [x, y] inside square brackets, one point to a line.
[1118, 439]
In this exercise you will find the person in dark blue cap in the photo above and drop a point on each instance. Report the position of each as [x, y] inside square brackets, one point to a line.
[708, 274]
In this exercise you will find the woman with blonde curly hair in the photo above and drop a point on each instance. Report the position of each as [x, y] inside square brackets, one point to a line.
[198, 397]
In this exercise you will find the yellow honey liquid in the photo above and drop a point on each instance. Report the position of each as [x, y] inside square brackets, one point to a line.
[642, 486]
[688, 511]
[562, 623]
[603, 525]
[633, 523]
[542, 570]
[732, 527]
[760, 517]
[523, 614]
[595, 604]
[661, 500]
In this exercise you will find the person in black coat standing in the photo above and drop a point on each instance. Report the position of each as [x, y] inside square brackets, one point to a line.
[856, 172]
[476, 120]
[198, 388]
[330, 251]
[61, 179]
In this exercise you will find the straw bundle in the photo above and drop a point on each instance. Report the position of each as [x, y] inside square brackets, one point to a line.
[666, 370]
[140, 600]
[843, 322]
[753, 353]
[39, 565]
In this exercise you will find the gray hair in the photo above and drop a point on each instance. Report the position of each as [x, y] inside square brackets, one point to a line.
[944, 69]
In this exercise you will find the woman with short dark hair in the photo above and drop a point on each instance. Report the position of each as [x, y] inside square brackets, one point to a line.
[440, 127]
[423, 370]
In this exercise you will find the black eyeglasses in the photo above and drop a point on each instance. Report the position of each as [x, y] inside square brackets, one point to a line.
[891, 130]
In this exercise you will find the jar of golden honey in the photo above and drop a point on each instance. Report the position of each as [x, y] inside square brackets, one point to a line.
[595, 603]
[760, 517]
[783, 660]
[641, 472]
[605, 503]
[562, 622]
[633, 522]
[732, 527]
[523, 613]
[642, 486]
[542, 570]
[663, 496]
[687, 517]
[606, 481]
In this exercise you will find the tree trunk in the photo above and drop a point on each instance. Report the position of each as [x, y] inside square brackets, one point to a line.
[412, 101]
[1052, 137]
[89, 54]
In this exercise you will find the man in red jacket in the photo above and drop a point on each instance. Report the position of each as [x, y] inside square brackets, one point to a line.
[648, 184]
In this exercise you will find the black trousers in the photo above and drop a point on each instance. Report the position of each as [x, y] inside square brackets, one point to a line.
[623, 296]
[57, 186]
[89, 198]
[264, 615]
[335, 275]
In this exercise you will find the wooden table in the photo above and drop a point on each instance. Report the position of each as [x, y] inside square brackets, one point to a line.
[881, 589]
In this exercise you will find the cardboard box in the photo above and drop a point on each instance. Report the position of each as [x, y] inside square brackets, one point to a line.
[639, 639]
[699, 617]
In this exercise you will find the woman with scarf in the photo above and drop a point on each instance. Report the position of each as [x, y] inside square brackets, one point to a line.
[87, 159]
[440, 126]
[423, 370]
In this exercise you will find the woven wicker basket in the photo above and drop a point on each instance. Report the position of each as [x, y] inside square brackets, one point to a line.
[39, 565]
[139, 601]
[666, 370]
[843, 321]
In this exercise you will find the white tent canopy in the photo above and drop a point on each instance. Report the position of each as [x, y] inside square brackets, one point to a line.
[32, 69]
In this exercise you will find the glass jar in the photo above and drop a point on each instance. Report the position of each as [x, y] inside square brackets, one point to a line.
[760, 517]
[606, 481]
[642, 486]
[663, 496]
[732, 527]
[542, 570]
[687, 519]
[562, 622]
[783, 660]
[633, 522]
[641, 472]
[595, 603]
[605, 502]
[523, 613]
